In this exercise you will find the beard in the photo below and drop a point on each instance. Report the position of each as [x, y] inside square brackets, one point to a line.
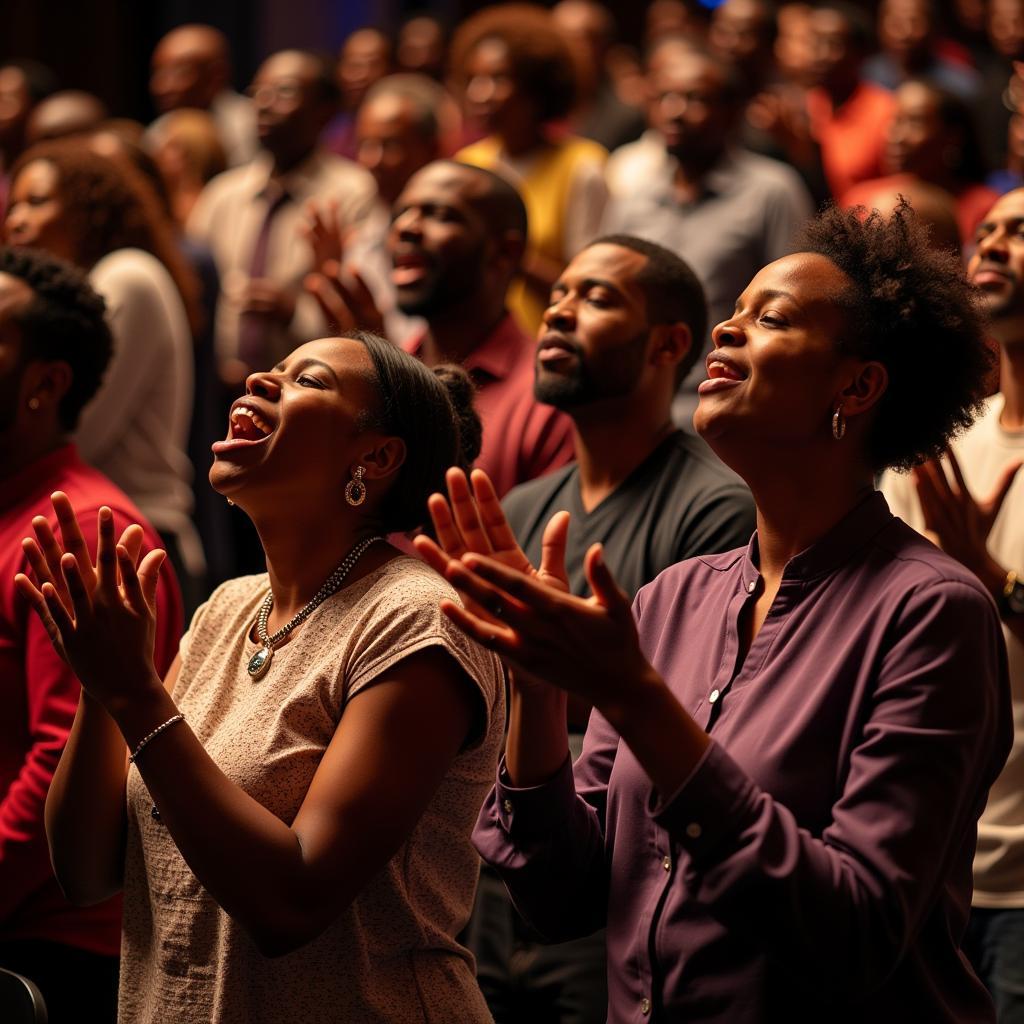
[613, 374]
[443, 287]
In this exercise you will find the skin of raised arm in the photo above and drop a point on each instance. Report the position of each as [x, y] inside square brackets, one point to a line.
[286, 883]
[470, 519]
[85, 806]
[584, 646]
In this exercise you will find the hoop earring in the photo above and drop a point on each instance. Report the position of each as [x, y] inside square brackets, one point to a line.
[838, 423]
[355, 489]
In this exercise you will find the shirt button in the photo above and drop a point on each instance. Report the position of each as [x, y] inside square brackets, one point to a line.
[693, 830]
[751, 586]
[714, 695]
[645, 1006]
[507, 805]
[666, 863]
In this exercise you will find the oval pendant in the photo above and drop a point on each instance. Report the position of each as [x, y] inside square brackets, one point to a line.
[260, 662]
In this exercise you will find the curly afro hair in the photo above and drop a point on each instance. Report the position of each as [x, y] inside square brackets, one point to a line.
[64, 321]
[543, 65]
[911, 308]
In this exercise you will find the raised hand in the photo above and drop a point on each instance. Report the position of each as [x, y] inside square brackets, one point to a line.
[324, 232]
[472, 520]
[101, 618]
[961, 522]
[585, 646]
[344, 298]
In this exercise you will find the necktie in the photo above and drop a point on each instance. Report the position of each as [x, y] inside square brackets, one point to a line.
[254, 328]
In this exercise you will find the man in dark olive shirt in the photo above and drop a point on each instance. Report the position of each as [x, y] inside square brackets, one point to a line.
[626, 322]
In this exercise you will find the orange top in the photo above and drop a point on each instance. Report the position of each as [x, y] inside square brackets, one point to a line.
[851, 136]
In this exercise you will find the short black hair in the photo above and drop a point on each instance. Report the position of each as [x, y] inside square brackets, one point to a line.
[911, 308]
[431, 410]
[504, 206]
[65, 321]
[673, 292]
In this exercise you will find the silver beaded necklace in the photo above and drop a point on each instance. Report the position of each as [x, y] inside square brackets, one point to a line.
[259, 663]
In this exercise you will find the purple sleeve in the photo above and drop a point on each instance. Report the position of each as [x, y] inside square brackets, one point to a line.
[845, 905]
[547, 842]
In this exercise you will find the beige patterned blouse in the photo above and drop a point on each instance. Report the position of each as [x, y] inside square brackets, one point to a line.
[391, 956]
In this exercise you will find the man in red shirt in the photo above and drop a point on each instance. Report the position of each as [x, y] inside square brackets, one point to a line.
[456, 243]
[54, 348]
[848, 116]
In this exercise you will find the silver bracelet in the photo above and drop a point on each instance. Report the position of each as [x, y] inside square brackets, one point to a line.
[153, 735]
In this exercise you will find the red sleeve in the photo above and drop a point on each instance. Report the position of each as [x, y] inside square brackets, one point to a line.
[51, 701]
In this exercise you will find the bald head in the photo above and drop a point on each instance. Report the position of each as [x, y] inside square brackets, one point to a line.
[500, 205]
[933, 206]
[191, 65]
[65, 113]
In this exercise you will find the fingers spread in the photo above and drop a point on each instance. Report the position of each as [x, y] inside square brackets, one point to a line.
[464, 509]
[603, 584]
[447, 533]
[492, 516]
[106, 559]
[149, 578]
[71, 533]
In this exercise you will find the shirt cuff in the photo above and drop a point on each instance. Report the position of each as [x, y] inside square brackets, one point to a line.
[710, 808]
[534, 811]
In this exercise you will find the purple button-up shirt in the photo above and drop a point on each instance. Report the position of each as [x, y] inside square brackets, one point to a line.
[816, 865]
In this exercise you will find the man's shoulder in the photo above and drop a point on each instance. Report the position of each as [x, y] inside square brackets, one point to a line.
[535, 494]
[688, 463]
[766, 174]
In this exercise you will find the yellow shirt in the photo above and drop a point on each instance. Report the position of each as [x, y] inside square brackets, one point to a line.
[562, 184]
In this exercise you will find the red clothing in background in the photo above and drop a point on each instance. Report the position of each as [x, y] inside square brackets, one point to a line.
[39, 695]
[851, 136]
[972, 201]
[523, 439]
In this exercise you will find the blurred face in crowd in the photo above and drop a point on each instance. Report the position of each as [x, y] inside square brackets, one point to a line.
[15, 105]
[35, 212]
[835, 58]
[390, 144]
[438, 240]
[188, 69]
[492, 97]
[775, 367]
[291, 108]
[905, 30]
[997, 267]
[918, 142]
[586, 25]
[594, 337]
[421, 47]
[740, 31]
[794, 53]
[689, 107]
[365, 59]
[666, 17]
[1006, 28]
[15, 295]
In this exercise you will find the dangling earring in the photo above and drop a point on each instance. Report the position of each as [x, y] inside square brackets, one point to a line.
[33, 403]
[838, 423]
[355, 489]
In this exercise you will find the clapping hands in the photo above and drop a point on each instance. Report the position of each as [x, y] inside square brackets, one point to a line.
[101, 618]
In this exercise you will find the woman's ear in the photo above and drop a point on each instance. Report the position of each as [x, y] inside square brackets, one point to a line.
[383, 459]
[864, 390]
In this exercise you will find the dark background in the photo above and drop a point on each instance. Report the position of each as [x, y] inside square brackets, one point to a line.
[103, 46]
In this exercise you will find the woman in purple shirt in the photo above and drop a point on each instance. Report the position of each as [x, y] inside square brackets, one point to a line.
[775, 810]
